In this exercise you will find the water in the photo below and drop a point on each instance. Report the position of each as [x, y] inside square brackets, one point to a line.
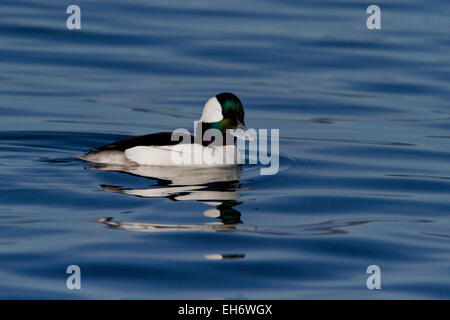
[364, 123]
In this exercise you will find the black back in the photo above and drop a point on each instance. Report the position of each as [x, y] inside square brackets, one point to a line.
[154, 139]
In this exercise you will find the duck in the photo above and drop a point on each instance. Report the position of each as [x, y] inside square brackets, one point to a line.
[223, 114]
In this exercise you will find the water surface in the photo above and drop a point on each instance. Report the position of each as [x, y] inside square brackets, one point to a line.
[364, 123]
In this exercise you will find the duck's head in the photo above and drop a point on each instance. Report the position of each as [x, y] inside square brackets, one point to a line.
[223, 112]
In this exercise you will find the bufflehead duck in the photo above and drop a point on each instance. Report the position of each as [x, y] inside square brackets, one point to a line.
[224, 112]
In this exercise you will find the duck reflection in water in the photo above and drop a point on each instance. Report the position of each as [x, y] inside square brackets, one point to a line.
[215, 186]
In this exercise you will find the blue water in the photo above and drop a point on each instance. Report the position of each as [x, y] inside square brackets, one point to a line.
[364, 119]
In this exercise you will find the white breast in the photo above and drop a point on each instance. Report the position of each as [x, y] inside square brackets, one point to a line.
[183, 154]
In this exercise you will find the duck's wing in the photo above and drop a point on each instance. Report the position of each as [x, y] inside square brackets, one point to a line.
[155, 139]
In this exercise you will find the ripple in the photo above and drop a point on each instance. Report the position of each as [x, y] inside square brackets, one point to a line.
[363, 177]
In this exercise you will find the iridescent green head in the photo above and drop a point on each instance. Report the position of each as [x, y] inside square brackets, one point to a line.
[222, 112]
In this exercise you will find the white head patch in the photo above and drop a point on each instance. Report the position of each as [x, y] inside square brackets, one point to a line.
[212, 112]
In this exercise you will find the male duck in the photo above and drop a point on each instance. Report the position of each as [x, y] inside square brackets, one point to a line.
[224, 113]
